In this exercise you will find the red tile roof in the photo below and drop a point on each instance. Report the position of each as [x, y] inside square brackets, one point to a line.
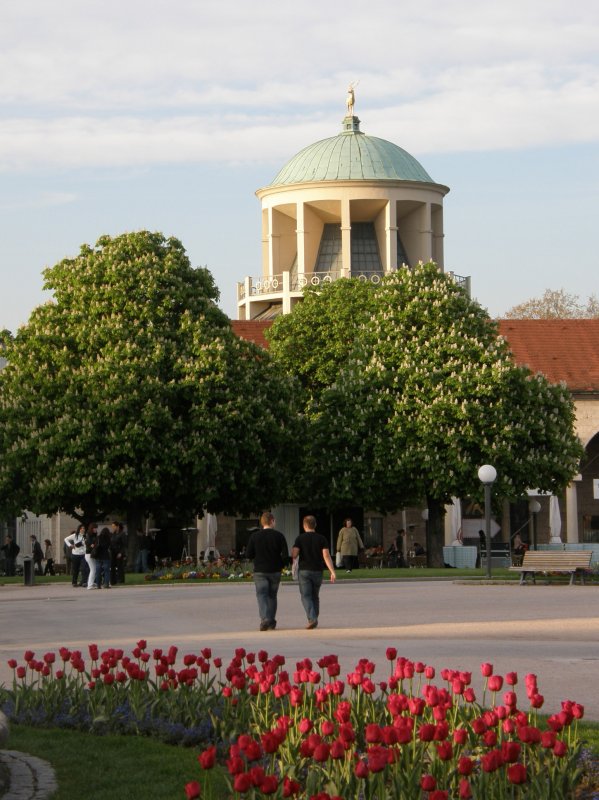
[562, 349]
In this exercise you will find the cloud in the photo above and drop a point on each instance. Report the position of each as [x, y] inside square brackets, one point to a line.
[112, 83]
[40, 200]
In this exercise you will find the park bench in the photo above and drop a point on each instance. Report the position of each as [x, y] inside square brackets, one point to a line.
[566, 561]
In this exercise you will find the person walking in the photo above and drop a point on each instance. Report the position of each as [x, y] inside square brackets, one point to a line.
[48, 558]
[76, 543]
[118, 553]
[349, 544]
[267, 548]
[143, 551]
[37, 554]
[313, 552]
[11, 550]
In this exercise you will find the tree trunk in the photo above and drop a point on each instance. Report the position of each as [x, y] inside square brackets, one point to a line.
[134, 523]
[435, 533]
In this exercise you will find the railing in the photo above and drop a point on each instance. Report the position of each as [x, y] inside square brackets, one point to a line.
[274, 284]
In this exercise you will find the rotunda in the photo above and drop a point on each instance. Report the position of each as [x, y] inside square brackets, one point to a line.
[352, 205]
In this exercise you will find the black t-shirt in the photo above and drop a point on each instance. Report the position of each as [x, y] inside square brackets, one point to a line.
[310, 546]
[268, 549]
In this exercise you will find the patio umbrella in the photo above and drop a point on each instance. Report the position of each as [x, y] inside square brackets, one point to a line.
[211, 529]
[555, 521]
[456, 520]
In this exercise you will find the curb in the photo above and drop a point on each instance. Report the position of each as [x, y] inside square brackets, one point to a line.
[29, 778]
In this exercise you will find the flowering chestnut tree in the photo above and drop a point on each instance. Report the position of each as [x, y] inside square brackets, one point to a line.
[129, 392]
[428, 392]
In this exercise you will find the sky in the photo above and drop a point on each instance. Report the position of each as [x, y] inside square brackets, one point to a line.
[168, 115]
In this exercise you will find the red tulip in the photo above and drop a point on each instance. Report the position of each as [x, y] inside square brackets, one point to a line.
[465, 791]
[560, 748]
[516, 773]
[207, 759]
[465, 765]
[269, 784]
[486, 670]
[427, 783]
[361, 770]
[192, 790]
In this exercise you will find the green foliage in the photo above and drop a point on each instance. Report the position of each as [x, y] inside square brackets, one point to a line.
[129, 391]
[315, 341]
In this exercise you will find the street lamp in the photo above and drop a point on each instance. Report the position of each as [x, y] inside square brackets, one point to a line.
[487, 475]
[533, 507]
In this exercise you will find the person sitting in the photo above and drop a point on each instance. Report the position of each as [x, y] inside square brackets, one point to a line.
[419, 549]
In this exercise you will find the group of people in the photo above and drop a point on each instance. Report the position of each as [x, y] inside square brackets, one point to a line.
[97, 558]
[11, 550]
[267, 548]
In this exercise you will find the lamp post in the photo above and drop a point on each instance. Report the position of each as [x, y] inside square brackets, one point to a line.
[487, 475]
[533, 507]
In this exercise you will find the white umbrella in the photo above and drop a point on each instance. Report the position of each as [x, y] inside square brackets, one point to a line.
[211, 529]
[555, 521]
[456, 520]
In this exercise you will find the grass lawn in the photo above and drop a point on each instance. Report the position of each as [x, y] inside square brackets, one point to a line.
[109, 767]
[136, 579]
[130, 767]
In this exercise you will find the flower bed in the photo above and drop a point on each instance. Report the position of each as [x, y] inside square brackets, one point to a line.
[221, 569]
[309, 734]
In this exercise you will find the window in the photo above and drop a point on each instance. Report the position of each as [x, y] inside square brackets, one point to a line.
[373, 532]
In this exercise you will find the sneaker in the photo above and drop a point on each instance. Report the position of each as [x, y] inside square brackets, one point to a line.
[272, 626]
[264, 626]
[313, 623]
[93, 586]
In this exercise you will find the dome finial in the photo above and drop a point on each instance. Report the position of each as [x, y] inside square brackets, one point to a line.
[351, 98]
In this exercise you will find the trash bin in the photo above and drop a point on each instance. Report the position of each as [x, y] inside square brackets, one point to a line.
[28, 571]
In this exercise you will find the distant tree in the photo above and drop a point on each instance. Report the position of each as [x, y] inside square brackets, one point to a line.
[129, 393]
[555, 304]
[428, 393]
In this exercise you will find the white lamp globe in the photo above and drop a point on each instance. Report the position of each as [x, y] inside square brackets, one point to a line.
[487, 474]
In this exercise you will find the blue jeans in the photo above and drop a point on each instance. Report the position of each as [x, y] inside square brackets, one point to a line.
[103, 572]
[309, 586]
[141, 563]
[267, 586]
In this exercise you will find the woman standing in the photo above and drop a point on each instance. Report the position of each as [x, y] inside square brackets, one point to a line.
[76, 543]
[91, 541]
[48, 558]
[349, 544]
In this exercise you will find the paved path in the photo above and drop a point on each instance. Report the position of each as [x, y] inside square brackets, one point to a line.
[551, 630]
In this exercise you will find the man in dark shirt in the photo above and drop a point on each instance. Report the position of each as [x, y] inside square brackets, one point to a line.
[313, 551]
[268, 550]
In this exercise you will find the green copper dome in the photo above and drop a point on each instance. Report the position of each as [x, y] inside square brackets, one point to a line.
[352, 156]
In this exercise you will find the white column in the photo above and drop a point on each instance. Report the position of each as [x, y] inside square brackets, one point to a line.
[300, 234]
[426, 234]
[271, 252]
[391, 236]
[286, 292]
[345, 238]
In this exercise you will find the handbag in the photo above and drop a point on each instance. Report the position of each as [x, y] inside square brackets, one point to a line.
[338, 559]
[295, 568]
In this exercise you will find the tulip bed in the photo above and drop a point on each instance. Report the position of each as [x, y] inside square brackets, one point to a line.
[309, 734]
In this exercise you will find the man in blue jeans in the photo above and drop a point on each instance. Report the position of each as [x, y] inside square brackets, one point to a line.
[313, 551]
[268, 550]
